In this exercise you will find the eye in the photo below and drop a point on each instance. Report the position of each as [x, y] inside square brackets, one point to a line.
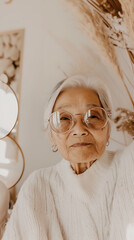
[94, 116]
[64, 118]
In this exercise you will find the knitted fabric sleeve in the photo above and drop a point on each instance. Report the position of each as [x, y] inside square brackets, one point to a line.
[23, 223]
[122, 216]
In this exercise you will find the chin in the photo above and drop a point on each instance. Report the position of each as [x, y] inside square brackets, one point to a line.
[83, 157]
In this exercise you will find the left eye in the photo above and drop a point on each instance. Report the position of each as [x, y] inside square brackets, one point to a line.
[64, 118]
[93, 116]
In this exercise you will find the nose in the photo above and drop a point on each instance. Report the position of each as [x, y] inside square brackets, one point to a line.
[79, 129]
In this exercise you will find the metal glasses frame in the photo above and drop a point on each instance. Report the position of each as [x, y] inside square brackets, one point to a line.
[72, 115]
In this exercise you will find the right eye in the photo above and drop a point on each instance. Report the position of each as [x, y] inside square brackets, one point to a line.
[64, 118]
[94, 116]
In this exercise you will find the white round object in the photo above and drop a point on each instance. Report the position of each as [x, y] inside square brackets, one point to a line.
[11, 162]
[8, 109]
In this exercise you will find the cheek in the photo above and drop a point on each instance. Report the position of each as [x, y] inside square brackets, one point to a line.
[101, 139]
[61, 142]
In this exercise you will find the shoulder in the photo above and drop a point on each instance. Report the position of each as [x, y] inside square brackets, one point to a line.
[38, 181]
[122, 159]
[128, 152]
[125, 160]
[130, 147]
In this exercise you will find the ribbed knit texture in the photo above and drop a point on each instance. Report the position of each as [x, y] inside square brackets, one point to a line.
[56, 204]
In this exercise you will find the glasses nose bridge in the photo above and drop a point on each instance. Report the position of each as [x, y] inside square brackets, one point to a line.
[79, 126]
[78, 120]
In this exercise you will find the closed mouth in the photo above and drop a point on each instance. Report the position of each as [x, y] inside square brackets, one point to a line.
[81, 144]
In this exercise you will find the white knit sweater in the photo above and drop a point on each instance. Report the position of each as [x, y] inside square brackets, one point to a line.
[57, 204]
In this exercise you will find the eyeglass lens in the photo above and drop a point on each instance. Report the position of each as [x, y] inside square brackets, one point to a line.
[94, 118]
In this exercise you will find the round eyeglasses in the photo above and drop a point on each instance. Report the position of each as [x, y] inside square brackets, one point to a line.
[95, 118]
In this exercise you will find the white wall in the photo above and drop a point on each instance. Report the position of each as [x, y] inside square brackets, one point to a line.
[53, 45]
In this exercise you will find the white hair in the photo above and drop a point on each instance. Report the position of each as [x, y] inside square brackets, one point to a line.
[79, 81]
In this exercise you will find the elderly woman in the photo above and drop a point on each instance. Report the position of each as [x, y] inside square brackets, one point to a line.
[89, 194]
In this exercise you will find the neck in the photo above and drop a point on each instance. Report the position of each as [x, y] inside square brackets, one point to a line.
[81, 167]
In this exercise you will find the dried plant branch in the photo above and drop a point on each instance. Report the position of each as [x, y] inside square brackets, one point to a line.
[131, 55]
[128, 13]
[132, 85]
[106, 22]
[113, 19]
[110, 6]
[125, 121]
[92, 23]
[93, 4]
[117, 21]
[124, 83]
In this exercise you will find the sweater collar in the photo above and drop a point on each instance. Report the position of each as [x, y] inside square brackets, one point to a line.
[90, 183]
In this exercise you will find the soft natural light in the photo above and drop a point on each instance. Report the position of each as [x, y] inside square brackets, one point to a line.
[130, 232]
[5, 160]
[4, 172]
[8, 109]
[2, 149]
[3, 153]
[14, 130]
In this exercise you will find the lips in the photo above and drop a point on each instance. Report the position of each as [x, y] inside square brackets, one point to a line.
[81, 144]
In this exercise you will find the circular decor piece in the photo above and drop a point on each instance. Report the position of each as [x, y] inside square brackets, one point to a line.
[8, 109]
[11, 162]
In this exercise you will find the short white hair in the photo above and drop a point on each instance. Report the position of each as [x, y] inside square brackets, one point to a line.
[75, 81]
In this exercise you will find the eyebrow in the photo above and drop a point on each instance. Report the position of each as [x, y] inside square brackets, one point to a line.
[87, 105]
[93, 105]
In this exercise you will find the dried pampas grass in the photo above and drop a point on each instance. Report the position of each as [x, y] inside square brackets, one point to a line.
[92, 24]
[128, 15]
[110, 23]
[125, 121]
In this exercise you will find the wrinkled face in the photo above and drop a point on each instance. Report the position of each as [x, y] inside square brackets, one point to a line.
[71, 144]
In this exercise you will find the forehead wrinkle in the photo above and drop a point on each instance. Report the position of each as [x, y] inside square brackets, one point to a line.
[85, 95]
[64, 106]
[68, 106]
